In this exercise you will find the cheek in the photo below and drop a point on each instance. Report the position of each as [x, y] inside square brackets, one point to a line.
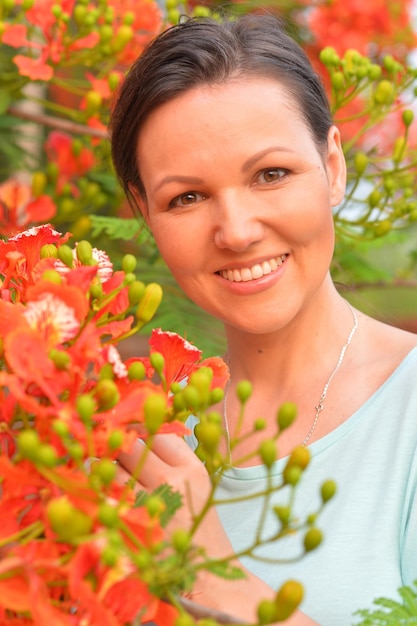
[177, 244]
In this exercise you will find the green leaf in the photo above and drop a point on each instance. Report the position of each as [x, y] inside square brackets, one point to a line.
[115, 227]
[395, 613]
[225, 570]
[172, 500]
[5, 100]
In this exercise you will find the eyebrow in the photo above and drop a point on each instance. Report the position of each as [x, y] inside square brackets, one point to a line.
[258, 156]
[194, 180]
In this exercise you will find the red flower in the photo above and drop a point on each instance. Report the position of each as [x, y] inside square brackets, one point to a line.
[19, 209]
[182, 358]
[345, 24]
[59, 150]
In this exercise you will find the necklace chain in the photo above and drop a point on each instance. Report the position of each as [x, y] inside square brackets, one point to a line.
[319, 407]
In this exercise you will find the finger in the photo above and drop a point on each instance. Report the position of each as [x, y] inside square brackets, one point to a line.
[153, 471]
[123, 477]
[173, 450]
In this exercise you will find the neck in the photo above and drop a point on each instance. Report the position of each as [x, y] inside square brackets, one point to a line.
[309, 343]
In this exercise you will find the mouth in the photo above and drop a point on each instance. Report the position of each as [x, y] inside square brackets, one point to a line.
[245, 274]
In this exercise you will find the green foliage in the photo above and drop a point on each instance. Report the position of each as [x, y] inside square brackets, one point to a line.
[171, 499]
[225, 570]
[392, 612]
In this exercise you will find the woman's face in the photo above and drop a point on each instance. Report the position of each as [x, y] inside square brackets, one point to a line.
[239, 200]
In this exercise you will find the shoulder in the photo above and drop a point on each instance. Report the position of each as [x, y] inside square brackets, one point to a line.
[384, 345]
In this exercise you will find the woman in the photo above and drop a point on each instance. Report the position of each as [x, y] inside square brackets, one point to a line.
[223, 140]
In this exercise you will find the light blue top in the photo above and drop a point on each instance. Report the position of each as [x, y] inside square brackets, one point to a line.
[370, 527]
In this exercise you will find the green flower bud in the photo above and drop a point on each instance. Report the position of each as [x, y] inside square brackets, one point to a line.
[216, 395]
[288, 599]
[136, 371]
[52, 276]
[108, 515]
[106, 394]
[61, 428]
[96, 291]
[268, 452]
[123, 36]
[382, 228]
[129, 263]
[266, 612]
[84, 252]
[39, 181]
[338, 81]
[329, 56]
[283, 513]
[80, 13]
[115, 440]
[209, 435]
[244, 390]
[60, 358]
[259, 424]
[181, 540]
[407, 117]
[135, 292]
[109, 556]
[191, 397]
[292, 475]
[75, 450]
[154, 409]
[399, 147]
[157, 362]
[48, 251]
[312, 539]
[328, 490]
[286, 415]
[47, 455]
[361, 162]
[374, 198]
[85, 406]
[299, 457]
[66, 521]
[149, 303]
[65, 255]
[113, 77]
[28, 444]
[374, 71]
[106, 372]
[155, 506]
[384, 93]
[106, 470]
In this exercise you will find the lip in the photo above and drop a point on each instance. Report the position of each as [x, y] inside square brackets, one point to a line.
[253, 284]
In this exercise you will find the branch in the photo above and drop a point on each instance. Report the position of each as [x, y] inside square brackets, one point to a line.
[56, 122]
[397, 282]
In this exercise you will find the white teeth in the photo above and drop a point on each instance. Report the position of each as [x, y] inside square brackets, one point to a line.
[256, 271]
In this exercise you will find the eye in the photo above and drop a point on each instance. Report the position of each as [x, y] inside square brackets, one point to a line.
[186, 199]
[271, 175]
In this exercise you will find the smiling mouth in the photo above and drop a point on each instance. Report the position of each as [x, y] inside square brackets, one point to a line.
[246, 274]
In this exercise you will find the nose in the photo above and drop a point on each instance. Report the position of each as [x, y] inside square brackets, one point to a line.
[238, 224]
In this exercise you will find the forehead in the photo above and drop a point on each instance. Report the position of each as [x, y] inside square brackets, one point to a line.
[219, 107]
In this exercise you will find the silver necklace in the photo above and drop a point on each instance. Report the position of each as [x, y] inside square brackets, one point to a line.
[319, 407]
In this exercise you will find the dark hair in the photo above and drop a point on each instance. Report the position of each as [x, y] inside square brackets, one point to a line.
[204, 51]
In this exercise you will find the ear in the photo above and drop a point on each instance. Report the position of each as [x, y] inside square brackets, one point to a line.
[336, 166]
[140, 202]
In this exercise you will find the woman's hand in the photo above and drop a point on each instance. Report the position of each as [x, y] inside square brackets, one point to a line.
[170, 461]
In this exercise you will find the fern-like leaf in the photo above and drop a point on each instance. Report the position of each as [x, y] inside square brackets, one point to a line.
[172, 500]
[394, 613]
[225, 570]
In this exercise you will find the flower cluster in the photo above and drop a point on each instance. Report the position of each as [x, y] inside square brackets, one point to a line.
[75, 544]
